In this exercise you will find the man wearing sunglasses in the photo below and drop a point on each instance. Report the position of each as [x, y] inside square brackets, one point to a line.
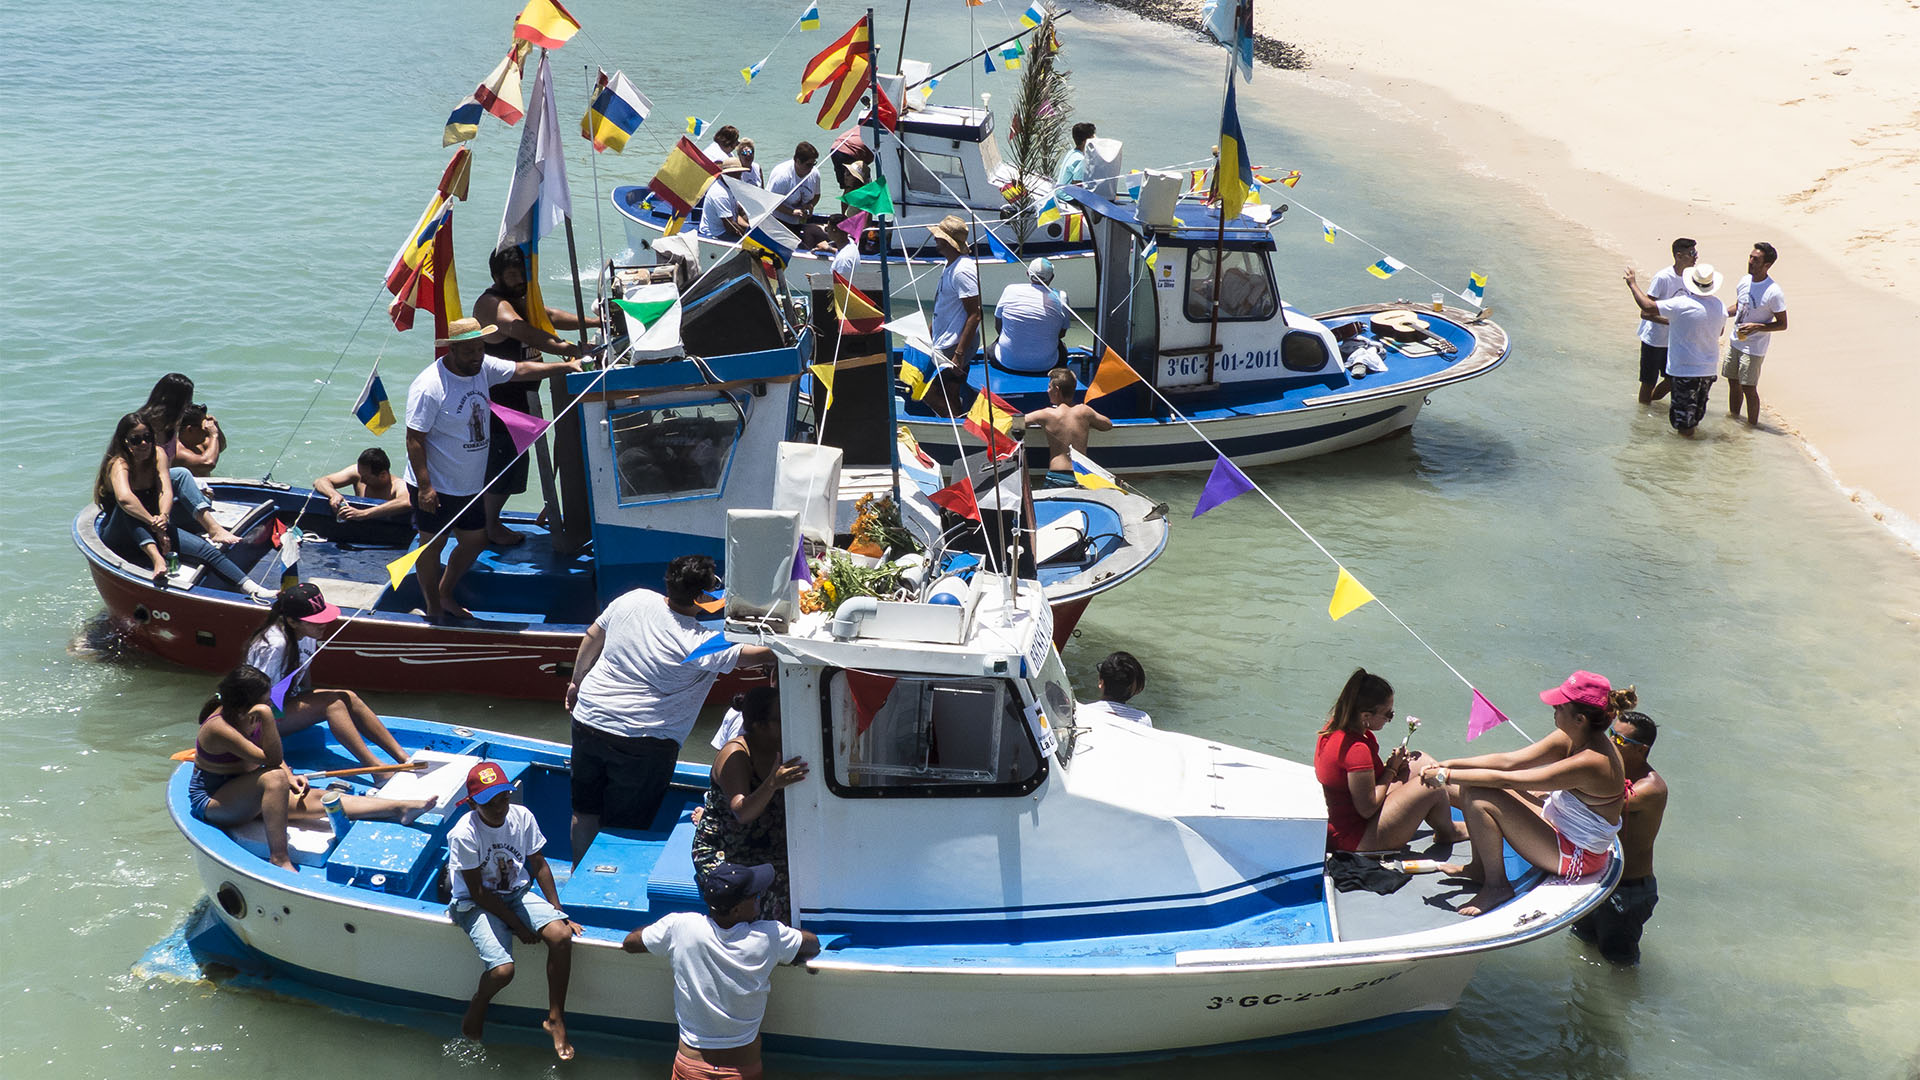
[1615, 926]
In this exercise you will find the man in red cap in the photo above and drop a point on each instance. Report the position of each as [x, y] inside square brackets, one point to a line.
[495, 856]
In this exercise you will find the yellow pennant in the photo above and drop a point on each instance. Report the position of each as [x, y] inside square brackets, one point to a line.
[398, 569]
[1348, 594]
[823, 373]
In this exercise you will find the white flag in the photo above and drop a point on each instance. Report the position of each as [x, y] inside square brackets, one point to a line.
[538, 199]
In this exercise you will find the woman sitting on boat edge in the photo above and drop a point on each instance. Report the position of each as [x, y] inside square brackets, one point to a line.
[240, 772]
[744, 819]
[133, 486]
[301, 614]
[1373, 805]
[1577, 765]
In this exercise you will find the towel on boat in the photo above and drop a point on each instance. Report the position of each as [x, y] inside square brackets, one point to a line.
[1351, 871]
[1362, 359]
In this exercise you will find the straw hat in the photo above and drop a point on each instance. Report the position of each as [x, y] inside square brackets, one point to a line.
[1702, 279]
[732, 166]
[464, 330]
[952, 229]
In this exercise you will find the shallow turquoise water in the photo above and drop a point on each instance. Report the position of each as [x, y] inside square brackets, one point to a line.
[217, 190]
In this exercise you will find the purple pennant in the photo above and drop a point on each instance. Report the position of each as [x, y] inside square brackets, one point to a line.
[1224, 483]
[523, 428]
[800, 571]
[1482, 716]
[278, 695]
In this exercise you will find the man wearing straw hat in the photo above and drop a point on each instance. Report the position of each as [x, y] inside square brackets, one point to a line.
[1694, 320]
[447, 438]
[956, 310]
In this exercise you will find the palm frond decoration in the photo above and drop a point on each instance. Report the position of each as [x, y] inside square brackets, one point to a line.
[1042, 119]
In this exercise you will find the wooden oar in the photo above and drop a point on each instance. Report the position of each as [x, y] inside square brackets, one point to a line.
[367, 770]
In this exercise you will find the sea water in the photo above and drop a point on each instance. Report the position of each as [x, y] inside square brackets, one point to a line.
[216, 189]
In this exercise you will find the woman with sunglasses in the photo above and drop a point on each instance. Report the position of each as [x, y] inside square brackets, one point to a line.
[134, 488]
[1579, 768]
[1373, 805]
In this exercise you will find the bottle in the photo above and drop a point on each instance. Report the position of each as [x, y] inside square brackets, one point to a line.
[173, 561]
[336, 813]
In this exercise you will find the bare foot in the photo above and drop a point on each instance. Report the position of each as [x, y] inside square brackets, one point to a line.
[557, 1028]
[505, 538]
[1486, 900]
[1470, 872]
[408, 817]
[453, 611]
[474, 1023]
[283, 863]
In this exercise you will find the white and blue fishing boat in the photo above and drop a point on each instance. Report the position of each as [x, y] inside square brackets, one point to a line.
[1262, 380]
[994, 879]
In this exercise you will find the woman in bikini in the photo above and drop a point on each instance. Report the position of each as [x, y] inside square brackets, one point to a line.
[240, 773]
[1577, 766]
[134, 488]
[745, 817]
[1373, 805]
[284, 644]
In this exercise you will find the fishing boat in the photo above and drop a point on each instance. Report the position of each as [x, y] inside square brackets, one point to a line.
[994, 878]
[666, 447]
[1250, 376]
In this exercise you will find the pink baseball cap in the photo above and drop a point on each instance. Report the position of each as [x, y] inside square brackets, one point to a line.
[1582, 686]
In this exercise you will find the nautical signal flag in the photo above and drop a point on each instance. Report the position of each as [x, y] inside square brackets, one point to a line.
[810, 18]
[498, 93]
[372, 407]
[1033, 16]
[1386, 267]
[1477, 287]
[683, 177]
[1226, 482]
[988, 57]
[615, 112]
[1113, 376]
[546, 24]
[1328, 230]
[1292, 179]
[1236, 172]
[958, 497]
[1482, 716]
[801, 572]
[1348, 595]
[523, 428]
[278, 692]
[857, 311]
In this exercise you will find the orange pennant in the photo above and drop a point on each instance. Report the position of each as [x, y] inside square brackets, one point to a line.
[1113, 376]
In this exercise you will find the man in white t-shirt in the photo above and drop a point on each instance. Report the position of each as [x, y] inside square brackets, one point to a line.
[1121, 677]
[956, 314]
[643, 670]
[448, 416]
[798, 180]
[721, 216]
[1694, 321]
[1030, 321]
[1653, 332]
[1760, 311]
[723, 964]
[494, 858]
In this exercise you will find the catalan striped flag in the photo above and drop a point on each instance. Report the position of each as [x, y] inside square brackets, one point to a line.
[857, 311]
[683, 177]
[1292, 178]
[810, 18]
[1236, 173]
[546, 24]
[1386, 268]
[844, 94]
[1076, 226]
[372, 407]
[1477, 286]
[1033, 16]
[615, 113]
[834, 60]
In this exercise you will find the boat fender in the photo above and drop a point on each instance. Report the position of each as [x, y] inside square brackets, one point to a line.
[849, 615]
[951, 589]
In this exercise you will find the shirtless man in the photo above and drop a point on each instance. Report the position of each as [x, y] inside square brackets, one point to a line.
[199, 440]
[1615, 925]
[1066, 425]
[371, 477]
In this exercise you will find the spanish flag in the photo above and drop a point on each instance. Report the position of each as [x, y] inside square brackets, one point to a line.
[844, 94]
[546, 24]
[834, 60]
[1235, 177]
[991, 418]
[857, 311]
[683, 177]
[421, 275]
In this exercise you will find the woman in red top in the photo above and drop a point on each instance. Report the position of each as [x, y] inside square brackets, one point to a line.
[1373, 805]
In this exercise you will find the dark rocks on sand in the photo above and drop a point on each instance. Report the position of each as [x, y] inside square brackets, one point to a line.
[1186, 15]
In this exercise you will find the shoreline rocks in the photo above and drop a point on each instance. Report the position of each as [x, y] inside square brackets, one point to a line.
[1186, 15]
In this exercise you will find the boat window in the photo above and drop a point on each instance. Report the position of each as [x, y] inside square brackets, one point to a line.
[898, 736]
[937, 174]
[1056, 703]
[682, 451]
[1246, 285]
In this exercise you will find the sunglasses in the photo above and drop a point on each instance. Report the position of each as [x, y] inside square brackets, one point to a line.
[138, 440]
[1622, 740]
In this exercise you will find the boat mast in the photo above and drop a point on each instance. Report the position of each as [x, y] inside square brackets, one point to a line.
[886, 279]
[1220, 232]
[901, 61]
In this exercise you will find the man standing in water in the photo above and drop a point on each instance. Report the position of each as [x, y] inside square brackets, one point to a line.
[1615, 926]
[1694, 319]
[1653, 331]
[1760, 311]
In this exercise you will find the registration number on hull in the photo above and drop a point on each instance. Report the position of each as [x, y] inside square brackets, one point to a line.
[1249, 1001]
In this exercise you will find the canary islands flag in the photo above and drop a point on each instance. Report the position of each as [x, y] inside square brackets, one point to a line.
[1386, 268]
[1033, 16]
[616, 112]
[810, 18]
[1477, 286]
[373, 409]
[1236, 171]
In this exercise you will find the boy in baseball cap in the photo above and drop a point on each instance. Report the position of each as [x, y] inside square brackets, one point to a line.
[723, 965]
[494, 855]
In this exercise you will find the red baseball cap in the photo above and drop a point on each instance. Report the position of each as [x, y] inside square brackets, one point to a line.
[1582, 686]
[484, 781]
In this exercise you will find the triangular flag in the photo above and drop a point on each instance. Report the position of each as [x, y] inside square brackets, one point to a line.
[1113, 375]
[1090, 475]
[1225, 482]
[872, 197]
[800, 571]
[278, 695]
[398, 569]
[1482, 716]
[958, 497]
[869, 692]
[855, 223]
[1348, 594]
[711, 606]
[525, 430]
[748, 73]
[823, 374]
[1000, 250]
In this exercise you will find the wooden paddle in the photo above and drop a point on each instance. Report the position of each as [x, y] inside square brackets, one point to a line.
[365, 770]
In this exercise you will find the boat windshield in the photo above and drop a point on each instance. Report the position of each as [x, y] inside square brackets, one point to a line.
[1246, 285]
[904, 736]
[676, 452]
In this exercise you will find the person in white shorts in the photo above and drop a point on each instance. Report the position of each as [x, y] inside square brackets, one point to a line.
[1759, 312]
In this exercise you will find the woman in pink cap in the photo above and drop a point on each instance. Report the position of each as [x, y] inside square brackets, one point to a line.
[285, 645]
[1577, 766]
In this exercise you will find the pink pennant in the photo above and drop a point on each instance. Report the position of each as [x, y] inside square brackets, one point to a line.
[278, 695]
[523, 429]
[854, 224]
[1482, 717]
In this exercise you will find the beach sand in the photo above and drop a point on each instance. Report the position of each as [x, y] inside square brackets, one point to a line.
[1730, 121]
